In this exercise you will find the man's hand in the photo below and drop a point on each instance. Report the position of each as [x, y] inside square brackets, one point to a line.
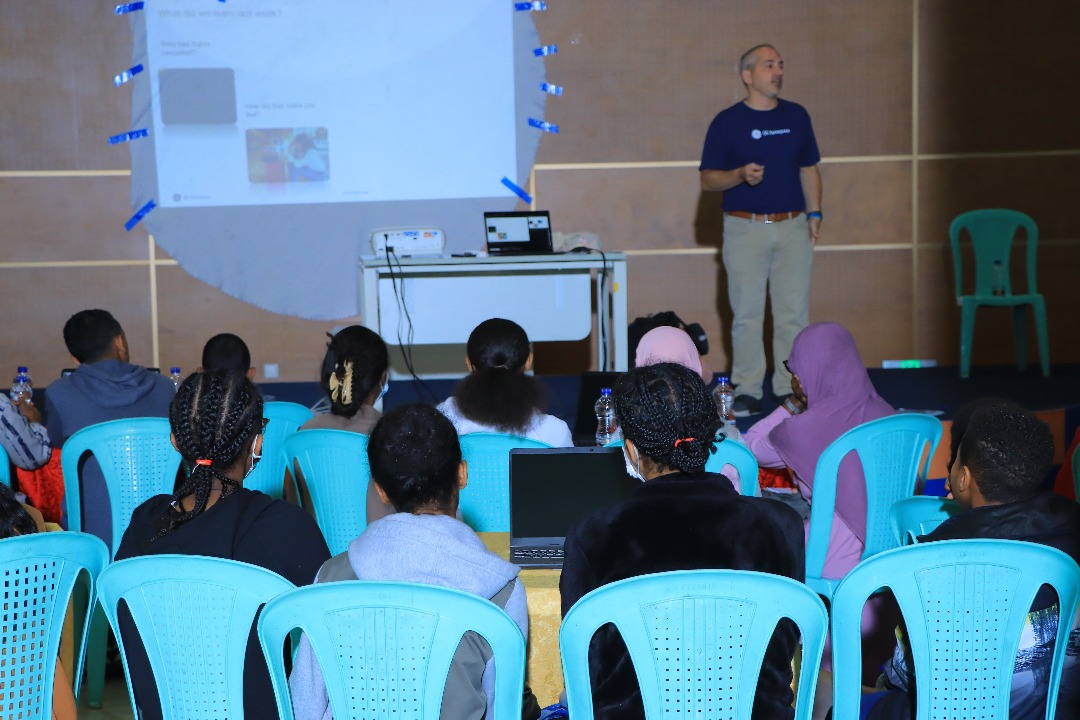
[752, 173]
[815, 229]
[29, 410]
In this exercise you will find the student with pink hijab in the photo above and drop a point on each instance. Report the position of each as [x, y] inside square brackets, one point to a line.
[671, 344]
[831, 394]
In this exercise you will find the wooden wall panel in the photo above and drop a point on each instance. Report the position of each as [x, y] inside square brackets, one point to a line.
[1043, 187]
[869, 292]
[643, 81]
[57, 61]
[191, 312]
[36, 303]
[995, 76]
[866, 203]
[67, 218]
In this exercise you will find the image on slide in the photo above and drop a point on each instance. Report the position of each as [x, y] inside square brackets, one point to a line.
[294, 155]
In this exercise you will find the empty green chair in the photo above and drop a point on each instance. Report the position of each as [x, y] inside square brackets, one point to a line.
[334, 464]
[193, 615]
[285, 418]
[138, 461]
[965, 604]
[485, 501]
[992, 233]
[697, 639]
[40, 572]
[919, 515]
[895, 453]
[385, 648]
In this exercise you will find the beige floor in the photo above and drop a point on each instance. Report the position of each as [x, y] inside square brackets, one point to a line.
[115, 704]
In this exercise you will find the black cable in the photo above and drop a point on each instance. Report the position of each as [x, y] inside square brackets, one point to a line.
[403, 311]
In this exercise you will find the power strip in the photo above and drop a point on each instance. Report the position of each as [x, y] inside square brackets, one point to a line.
[409, 243]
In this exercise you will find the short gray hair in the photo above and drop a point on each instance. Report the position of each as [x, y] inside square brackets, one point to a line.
[749, 58]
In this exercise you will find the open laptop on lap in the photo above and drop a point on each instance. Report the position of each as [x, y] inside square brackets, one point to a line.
[551, 488]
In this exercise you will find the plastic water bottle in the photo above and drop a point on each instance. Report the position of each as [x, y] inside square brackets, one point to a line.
[724, 396]
[997, 279]
[174, 375]
[21, 389]
[606, 426]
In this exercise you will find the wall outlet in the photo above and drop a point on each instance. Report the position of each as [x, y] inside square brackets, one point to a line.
[271, 371]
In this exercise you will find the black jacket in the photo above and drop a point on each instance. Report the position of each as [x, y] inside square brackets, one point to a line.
[681, 522]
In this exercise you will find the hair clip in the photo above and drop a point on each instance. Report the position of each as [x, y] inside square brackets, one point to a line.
[204, 461]
[682, 440]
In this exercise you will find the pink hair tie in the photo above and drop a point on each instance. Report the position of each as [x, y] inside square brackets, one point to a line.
[205, 462]
[682, 440]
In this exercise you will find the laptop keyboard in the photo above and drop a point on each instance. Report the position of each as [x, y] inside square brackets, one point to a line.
[537, 553]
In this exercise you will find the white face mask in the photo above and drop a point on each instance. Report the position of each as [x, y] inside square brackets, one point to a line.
[631, 469]
[385, 389]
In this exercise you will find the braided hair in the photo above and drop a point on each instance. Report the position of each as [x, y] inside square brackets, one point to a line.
[214, 418]
[498, 393]
[355, 361]
[667, 412]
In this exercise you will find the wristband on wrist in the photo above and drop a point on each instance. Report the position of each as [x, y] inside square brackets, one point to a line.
[815, 214]
[791, 407]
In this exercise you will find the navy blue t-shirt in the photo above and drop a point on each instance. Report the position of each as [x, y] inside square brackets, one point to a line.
[781, 139]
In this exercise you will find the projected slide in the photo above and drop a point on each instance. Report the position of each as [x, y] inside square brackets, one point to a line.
[259, 102]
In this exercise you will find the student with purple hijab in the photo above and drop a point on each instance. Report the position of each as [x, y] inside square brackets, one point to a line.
[832, 393]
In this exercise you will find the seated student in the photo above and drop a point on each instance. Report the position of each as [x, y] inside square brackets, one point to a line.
[226, 351]
[104, 386]
[681, 518]
[18, 519]
[353, 376]
[217, 423]
[22, 435]
[498, 396]
[416, 466]
[1002, 455]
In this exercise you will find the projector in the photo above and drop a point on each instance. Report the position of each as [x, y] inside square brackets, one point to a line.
[408, 243]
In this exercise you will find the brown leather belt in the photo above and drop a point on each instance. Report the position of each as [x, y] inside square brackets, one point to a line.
[765, 217]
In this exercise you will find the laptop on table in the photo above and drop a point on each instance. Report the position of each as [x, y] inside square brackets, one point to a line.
[551, 488]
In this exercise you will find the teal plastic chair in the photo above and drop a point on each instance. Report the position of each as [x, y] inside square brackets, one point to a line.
[697, 639]
[386, 648]
[41, 572]
[485, 501]
[5, 467]
[992, 233]
[138, 462]
[285, 419]
[964, 604]
[730, 453]
[919, 515]
[334, 464]
[737, 455]
[194, 615]
[895, 454]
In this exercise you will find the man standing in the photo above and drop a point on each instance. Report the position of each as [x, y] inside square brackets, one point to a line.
[761, 153]
[104, 386]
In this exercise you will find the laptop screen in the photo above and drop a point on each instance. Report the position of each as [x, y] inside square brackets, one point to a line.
[518, 232]
[550, 489]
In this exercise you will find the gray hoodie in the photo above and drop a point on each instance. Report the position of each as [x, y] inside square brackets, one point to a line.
[428, 549]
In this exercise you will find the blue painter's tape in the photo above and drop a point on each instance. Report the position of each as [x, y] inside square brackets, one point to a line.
[551, 89]
[123, 77]
[137, 217]
[125, 137]
[546, 50]
[517, 190]
[128, 7]
[538, 5]
[544, 125]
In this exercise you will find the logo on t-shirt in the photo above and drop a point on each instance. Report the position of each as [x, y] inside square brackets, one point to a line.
[758, 134]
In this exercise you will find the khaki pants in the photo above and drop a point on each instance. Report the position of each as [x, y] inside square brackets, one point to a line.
[757, 255]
